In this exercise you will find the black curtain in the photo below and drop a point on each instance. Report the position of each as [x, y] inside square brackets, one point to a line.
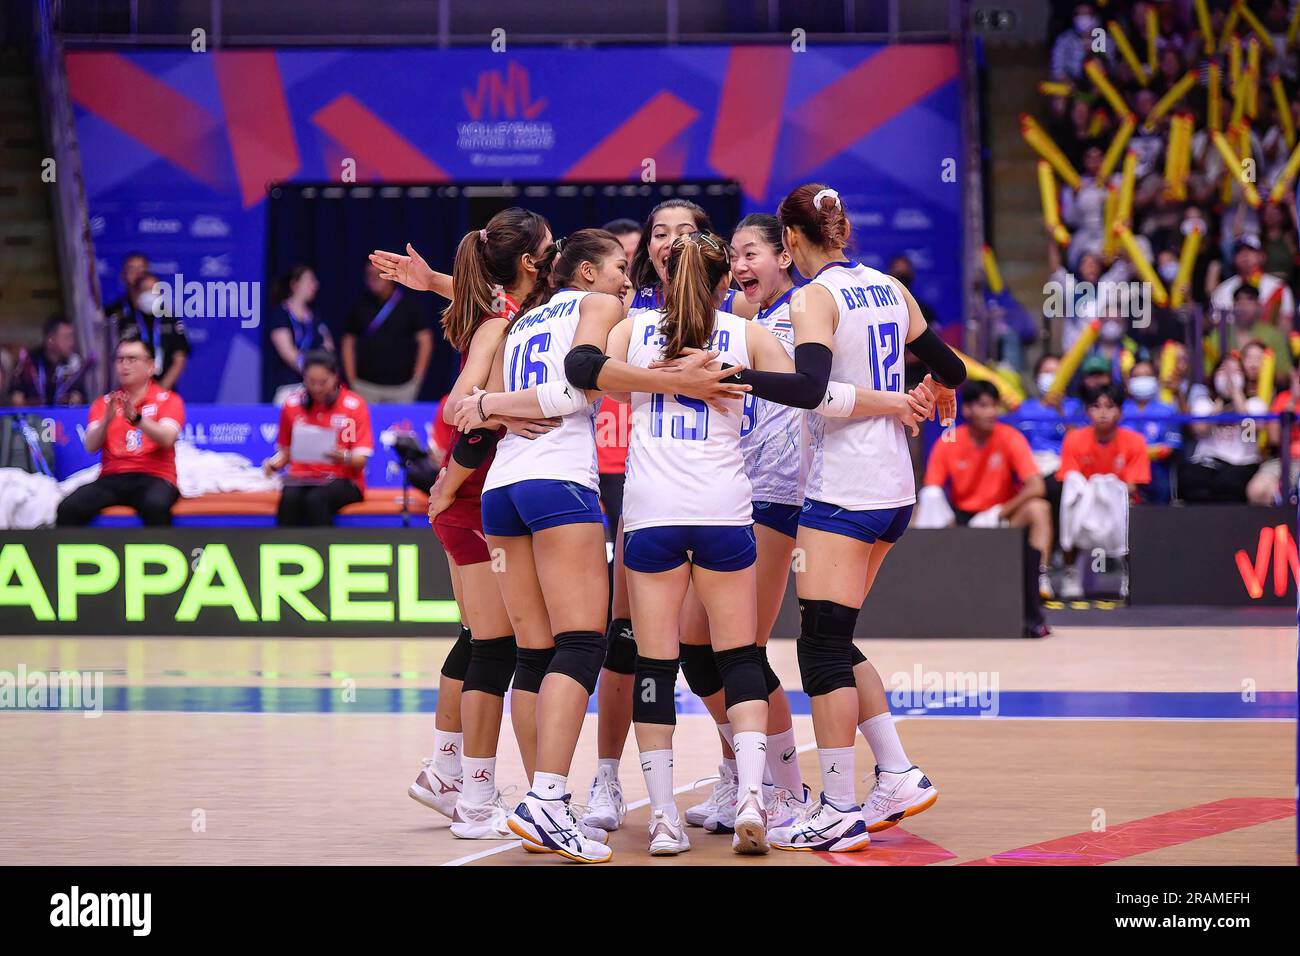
[333, 227]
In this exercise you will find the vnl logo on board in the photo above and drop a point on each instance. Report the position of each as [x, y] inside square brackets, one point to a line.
[1278, 544]
[503, 126]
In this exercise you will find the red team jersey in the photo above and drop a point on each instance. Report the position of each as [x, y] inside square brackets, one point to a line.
[350, 419]
[127, 449]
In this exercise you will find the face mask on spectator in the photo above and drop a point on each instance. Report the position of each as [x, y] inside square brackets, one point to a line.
[1190, 224]
[1044, 382]
[1084, 23]
[1143, 387]
[1112, 330]
[1169, 271]
[146, 301]
[1228, 384]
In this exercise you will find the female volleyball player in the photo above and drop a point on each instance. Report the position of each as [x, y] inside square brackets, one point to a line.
[495, 268]
[848, 524]
[776, 462]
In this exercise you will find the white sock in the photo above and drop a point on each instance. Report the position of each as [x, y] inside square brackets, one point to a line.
[751, 755]
[447, 748]
[725, 731]
[609, 765]
[783, 762]
[882, 737]
[549, 786]
[658, 768]
[480, 784]
[837, 775]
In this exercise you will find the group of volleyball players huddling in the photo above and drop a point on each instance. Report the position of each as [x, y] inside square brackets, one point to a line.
[768, 421]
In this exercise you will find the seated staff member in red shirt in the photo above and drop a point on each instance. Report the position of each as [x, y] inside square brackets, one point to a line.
[1104, 448]
[987, 464]
[136, 428]
[315, 490]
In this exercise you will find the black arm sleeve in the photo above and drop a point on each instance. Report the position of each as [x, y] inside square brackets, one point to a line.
[805, 387]
[944, 364]
[583, 364]
[473, 447]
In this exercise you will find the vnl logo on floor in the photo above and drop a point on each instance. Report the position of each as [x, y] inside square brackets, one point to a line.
[75, 908]
[52, 690]
[920, 691]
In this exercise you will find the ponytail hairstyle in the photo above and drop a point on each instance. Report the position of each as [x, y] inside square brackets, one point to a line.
[487, 261]
[562, 260]
[816, 211]
[696, 264]
[642, 270]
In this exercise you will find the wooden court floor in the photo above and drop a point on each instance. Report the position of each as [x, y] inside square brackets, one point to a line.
[1109, 746]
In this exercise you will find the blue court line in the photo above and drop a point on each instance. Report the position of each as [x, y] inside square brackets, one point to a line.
[1268, 705]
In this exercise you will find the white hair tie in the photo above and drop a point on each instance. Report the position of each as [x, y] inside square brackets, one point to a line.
[482, 235]
[817, 200]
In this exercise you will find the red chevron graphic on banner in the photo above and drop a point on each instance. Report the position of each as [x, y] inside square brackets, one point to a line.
[261, 129]
[373, 142]
[647, 131]
[148, 110]
[749, 116]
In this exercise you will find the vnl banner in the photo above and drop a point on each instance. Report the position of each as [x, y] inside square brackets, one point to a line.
[238, 582]
[248, 430]
[178, 148]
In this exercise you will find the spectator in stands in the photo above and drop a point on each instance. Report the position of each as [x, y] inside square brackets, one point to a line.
[1074, 46]
[1253, 325]
[989, 474]
[325, 440]
[1265, 487]
[292, 332]
[144, 315]
[1043, 421]
[628, 233]
[386, 345]
[1162, 436]
[1274, 297]
[134, 265]
[136, 427]
[51, 373]
[1226, 456]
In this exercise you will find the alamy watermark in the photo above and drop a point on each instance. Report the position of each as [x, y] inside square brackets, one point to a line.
[1105, 299]
[52, 690]
[920, 690]
[208, 300]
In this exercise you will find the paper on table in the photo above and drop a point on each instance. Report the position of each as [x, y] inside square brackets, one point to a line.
[311, 442]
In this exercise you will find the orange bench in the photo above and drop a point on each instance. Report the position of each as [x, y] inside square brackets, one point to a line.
[378, 501]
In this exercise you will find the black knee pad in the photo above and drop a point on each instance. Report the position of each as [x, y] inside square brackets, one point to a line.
[825, 646]
[700, 668]
[578, 654]
[457, 662]
[857, 656]
[652, 698]
[530, 667]
[769, 676]
[491, 665]
[742, 674]
[620, 647]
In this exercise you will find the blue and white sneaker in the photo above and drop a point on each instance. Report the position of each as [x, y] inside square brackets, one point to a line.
[828, 828]
[786, 809]
[548, 826]
[897, 796]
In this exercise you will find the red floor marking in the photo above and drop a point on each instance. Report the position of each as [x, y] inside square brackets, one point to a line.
[1149, 833]
[892, 847]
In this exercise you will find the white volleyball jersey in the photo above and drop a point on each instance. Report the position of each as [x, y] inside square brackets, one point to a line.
[771, 435]
[536, 345]
[863, 464]
[684, 463]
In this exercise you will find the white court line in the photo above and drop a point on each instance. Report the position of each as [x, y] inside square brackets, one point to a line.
[514, 844]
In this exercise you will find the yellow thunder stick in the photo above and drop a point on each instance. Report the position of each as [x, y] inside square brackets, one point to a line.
[1055, 88]
[1173, 156]
[1116, 148]
[1214, 105]
[1044, 145]
[1239, 96]
[1127, 52]
[1153, 32]
[1235, 168]
[1252, 78]
[1284, 181]
[1168, 363]
[1234, 55]
[1186, 263]
[1207, 31]
[1051, 213]
[1188, 126]
[1127, 183]
[1011, 397]
[1126, 362]
[1097, 73]
[1159, 294]
[1254, 23]
[1166, 102]
[1267, 383]
[1283, 108]
[992, 274]
[1072, 359]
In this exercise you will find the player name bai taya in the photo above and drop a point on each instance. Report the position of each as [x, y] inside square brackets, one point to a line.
[103, 909]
